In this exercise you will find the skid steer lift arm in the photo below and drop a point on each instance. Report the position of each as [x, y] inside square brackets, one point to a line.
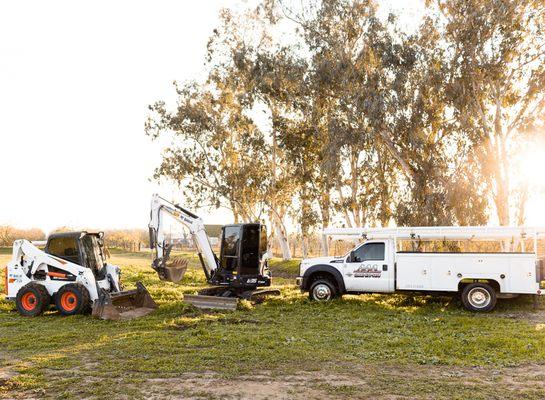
[158, 242]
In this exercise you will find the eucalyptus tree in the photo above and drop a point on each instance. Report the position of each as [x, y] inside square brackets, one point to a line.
[336, 34]
[376, 99]
[496, 85]
[226, 156]
[216, 151]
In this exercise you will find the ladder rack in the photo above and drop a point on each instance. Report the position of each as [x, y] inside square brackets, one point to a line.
[514, 233]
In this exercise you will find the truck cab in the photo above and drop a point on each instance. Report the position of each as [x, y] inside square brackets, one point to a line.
[369, 267]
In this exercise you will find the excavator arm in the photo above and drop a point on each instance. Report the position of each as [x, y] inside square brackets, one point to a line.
[174, 271]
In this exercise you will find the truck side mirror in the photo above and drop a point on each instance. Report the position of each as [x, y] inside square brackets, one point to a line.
[352, 256]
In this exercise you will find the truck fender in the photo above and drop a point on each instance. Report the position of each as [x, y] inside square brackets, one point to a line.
[323, 268]
[495, 283]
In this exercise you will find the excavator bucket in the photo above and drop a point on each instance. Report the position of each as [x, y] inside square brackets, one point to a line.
[175, 270]
[124, 305]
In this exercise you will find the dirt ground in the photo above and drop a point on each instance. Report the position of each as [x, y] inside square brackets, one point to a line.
[360, 383]
[386, 382]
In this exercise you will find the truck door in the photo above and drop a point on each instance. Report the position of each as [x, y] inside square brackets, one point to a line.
[368, 268]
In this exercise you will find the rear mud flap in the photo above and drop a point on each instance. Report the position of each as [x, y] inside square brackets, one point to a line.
[124, 305]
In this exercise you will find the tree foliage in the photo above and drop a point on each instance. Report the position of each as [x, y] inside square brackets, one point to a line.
[8, 234]
[328, 112]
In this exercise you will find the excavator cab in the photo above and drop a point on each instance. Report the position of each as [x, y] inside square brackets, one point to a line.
[242, 253]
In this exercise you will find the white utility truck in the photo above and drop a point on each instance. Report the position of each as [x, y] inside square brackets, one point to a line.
[382, 264]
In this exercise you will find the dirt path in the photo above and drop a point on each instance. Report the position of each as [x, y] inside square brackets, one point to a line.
[374, 382]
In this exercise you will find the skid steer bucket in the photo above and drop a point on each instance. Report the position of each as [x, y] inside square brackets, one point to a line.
[124, 305]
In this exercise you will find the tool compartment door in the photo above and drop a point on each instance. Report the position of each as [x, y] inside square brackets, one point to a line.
[413, 271]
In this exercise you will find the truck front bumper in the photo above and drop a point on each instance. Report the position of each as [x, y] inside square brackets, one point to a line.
[299, 281]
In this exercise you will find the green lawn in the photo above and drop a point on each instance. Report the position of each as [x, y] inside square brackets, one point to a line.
[369, 346]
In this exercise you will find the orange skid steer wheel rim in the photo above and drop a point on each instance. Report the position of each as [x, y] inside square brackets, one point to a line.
[29, 301]
[69, 301]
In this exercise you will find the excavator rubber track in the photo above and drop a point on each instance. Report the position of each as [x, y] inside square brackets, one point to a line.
[124, 305]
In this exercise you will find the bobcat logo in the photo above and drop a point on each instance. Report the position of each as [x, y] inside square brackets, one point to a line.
[367, 271]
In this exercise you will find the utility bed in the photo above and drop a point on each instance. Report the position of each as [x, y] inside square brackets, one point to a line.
[514, 272]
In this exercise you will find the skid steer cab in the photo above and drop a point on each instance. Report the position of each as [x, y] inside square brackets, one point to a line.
[72, 274]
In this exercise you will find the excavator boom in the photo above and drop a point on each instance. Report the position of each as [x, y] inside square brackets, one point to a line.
[174, 270]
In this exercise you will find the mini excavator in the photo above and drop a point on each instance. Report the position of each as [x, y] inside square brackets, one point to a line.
[238, 272]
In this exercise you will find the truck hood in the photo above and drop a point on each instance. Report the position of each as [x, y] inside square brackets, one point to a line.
[321, 260]
[309, 262]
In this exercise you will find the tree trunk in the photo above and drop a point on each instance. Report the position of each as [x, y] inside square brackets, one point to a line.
[501, 179]
[325, 212]
[275, 216]
[282, 237]
[521, 213]
[354, 187]
[304, 246]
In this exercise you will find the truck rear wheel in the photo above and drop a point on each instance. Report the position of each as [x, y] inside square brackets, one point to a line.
[73, 299]
[32, 300]
[479, 297]
[322, 289]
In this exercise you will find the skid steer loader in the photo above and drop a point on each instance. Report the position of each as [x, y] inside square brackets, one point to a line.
[71, 273]
[237, 274]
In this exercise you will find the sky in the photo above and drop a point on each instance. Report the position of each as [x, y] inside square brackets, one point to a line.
[76, 79]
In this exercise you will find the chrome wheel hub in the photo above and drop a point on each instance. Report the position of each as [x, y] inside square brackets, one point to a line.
[322, 292]
[479, 297]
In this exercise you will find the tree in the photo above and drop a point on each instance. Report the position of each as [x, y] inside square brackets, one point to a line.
[216, 155]
[496, 55]
[377, 96]
[8, 234]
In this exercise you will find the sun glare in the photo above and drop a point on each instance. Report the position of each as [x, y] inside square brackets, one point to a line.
[531, 173]
[531, 167]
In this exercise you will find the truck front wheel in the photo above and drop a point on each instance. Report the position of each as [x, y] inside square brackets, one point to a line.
[479, 297]
[322, 290]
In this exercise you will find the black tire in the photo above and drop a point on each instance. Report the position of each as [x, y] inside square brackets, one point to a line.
[32, 300]
[322, 289]
[479, 297]
[73, 299]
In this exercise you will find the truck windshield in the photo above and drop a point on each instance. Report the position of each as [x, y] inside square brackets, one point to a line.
[93, 253]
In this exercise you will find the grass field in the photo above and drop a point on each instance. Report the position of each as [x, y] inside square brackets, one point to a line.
[368, 346]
